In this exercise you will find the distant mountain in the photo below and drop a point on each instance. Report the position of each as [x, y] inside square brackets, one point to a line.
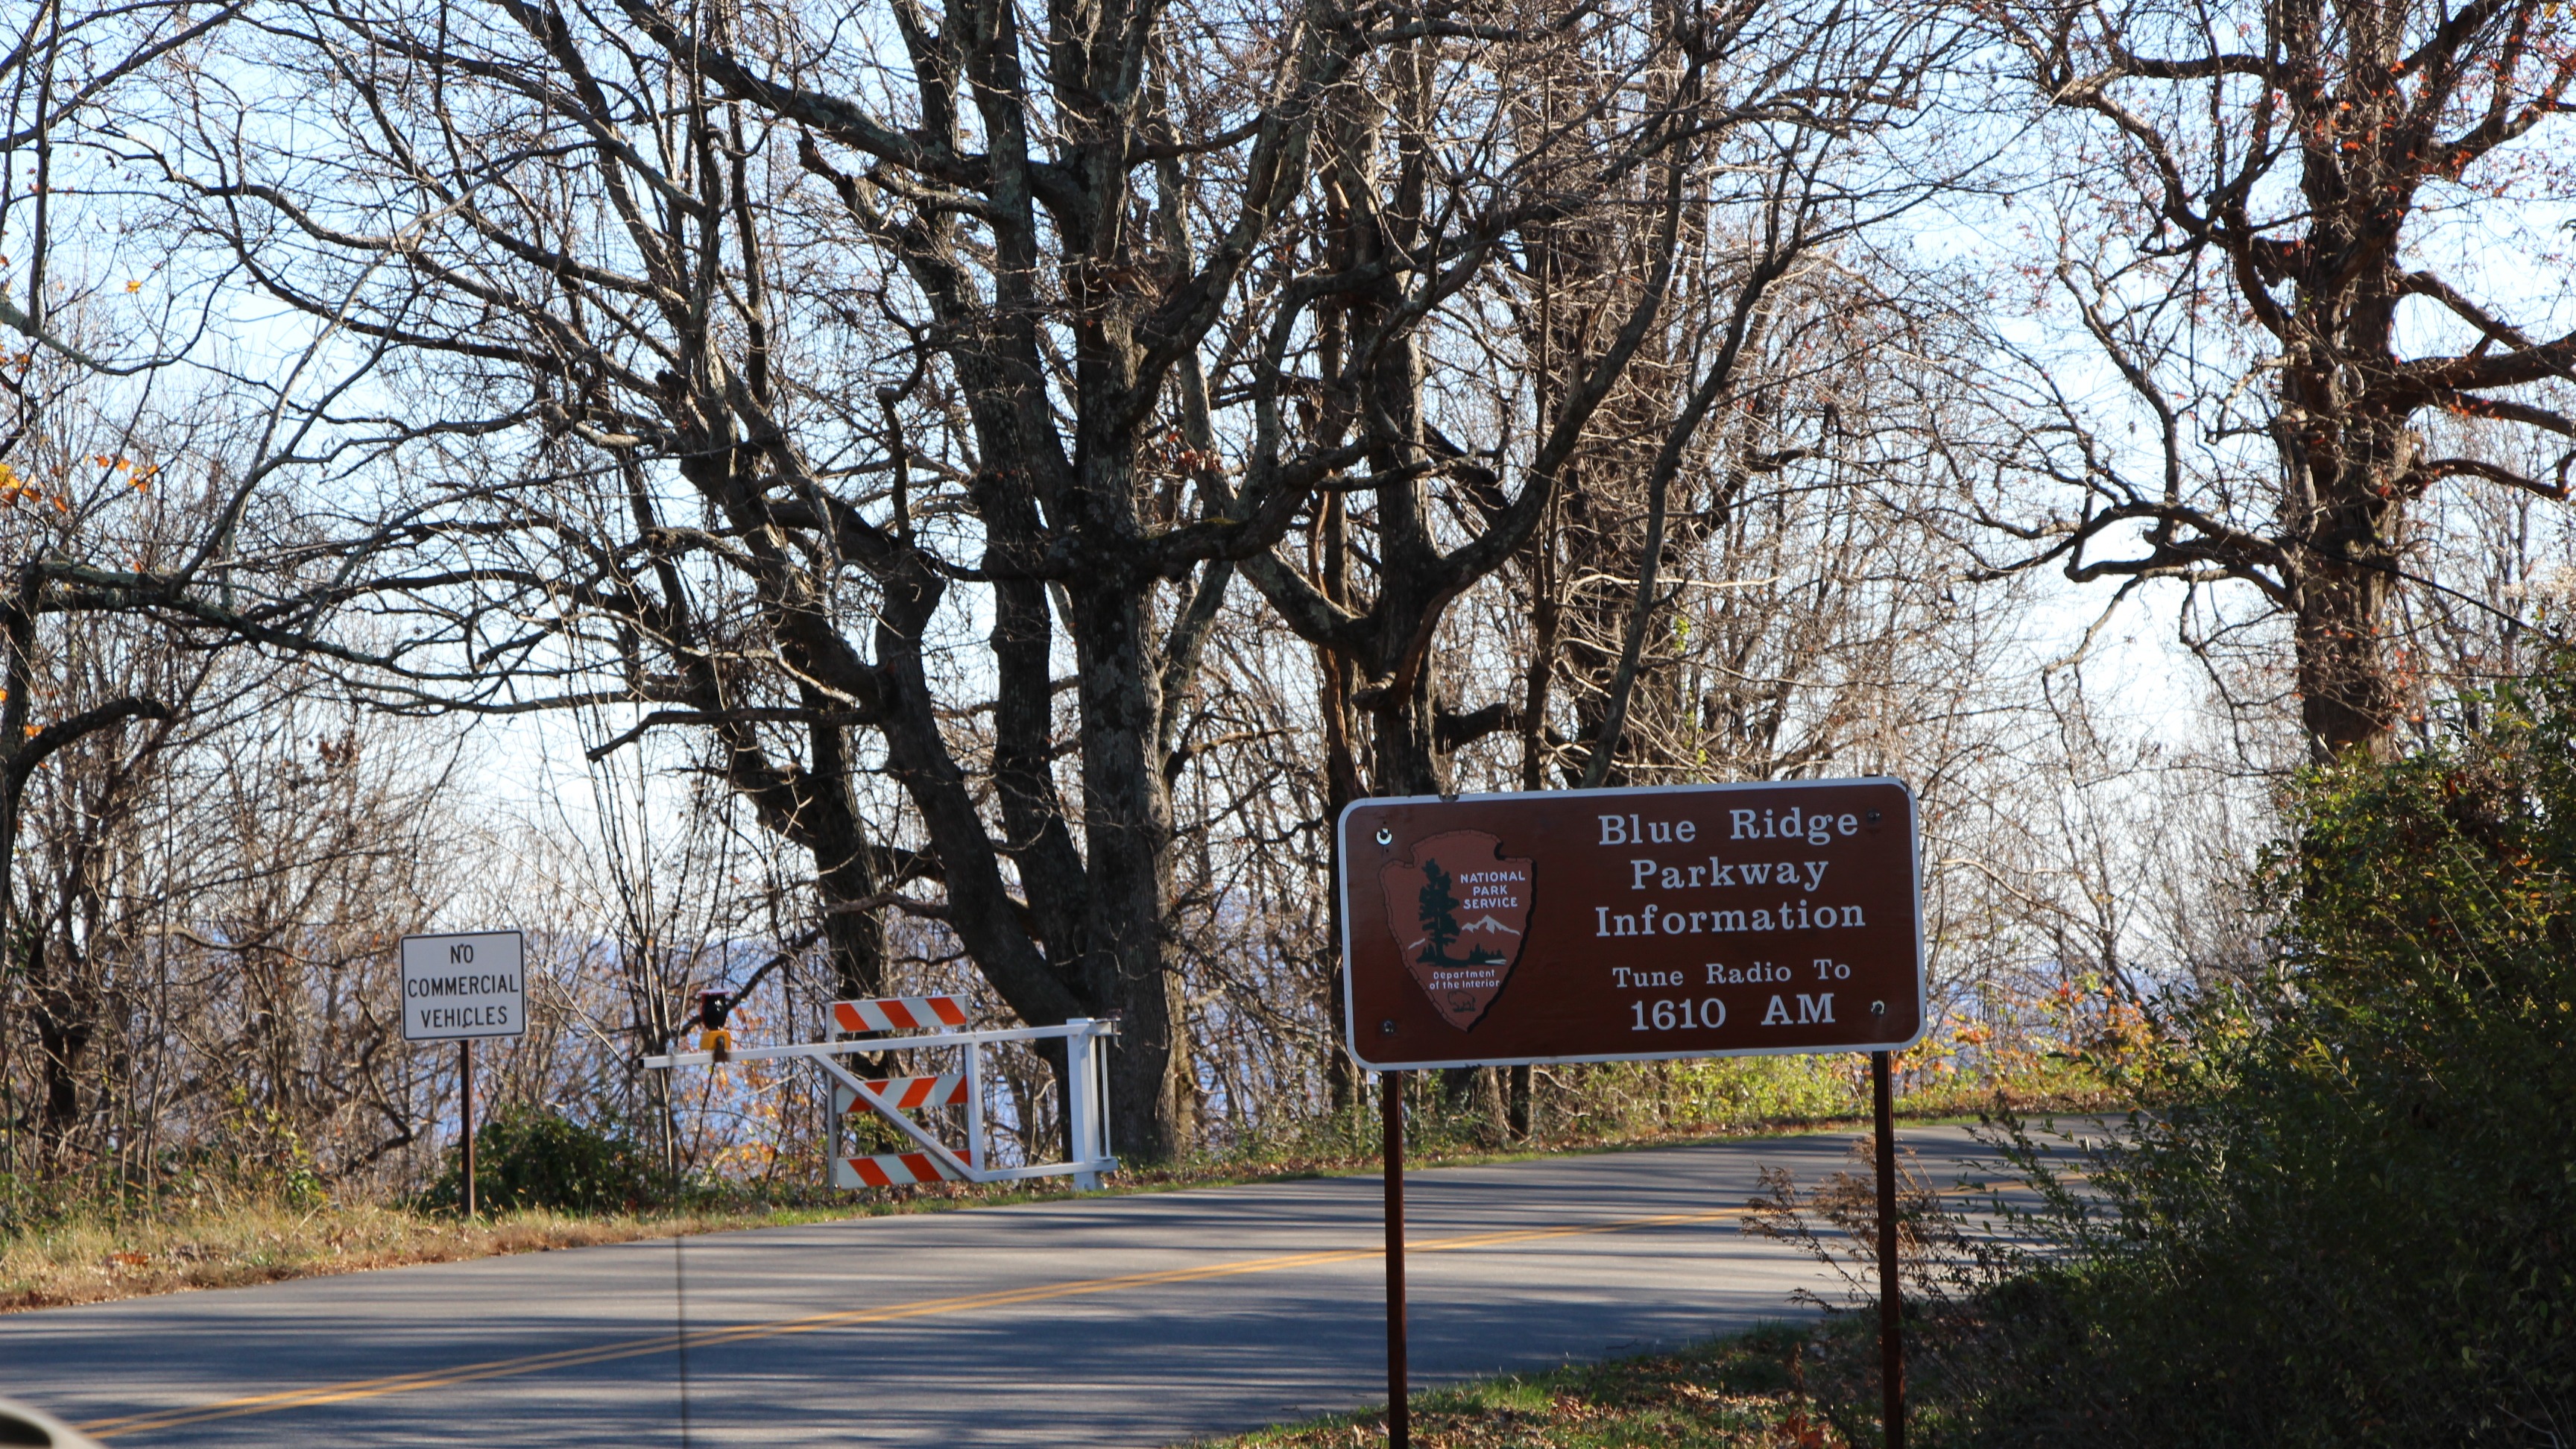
[1486, 923]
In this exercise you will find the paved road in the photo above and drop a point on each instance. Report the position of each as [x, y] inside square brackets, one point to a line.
[1113, 1321]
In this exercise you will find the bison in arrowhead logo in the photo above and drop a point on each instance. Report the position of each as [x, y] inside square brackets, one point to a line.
[1459, 910]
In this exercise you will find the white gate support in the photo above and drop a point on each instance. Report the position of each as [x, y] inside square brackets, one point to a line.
[1083, 1084]
[1085, 1093]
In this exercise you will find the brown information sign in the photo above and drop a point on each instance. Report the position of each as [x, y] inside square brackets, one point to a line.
[1615, 925]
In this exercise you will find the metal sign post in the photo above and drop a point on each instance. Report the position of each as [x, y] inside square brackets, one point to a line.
[465, 1111]
[1891, 1321]
[459, 988]
[1399, 1404]
[1631, 925]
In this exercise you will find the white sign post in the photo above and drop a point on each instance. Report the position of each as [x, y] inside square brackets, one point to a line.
[458, 988]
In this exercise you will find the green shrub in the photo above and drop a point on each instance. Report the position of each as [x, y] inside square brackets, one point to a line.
[2354, 1222]
[539, 1159]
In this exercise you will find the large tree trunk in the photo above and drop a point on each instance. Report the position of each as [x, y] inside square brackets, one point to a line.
[2347, 701]
[2346, 506]
[1128, 827]
[64, 1013]
[846, 868]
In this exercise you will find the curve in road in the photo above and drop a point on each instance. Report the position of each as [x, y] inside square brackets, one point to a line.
[1183, 1314]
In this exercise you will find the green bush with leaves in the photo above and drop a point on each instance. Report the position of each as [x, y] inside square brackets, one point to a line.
[527, 1158]
[2353, 1220]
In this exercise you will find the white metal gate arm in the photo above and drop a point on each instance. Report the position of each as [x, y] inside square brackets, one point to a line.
[885, 1044]
[1083, 1086]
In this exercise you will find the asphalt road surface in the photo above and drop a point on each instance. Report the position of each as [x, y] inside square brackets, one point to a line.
[1139, 1320]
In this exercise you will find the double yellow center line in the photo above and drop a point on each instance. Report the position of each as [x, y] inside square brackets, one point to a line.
[500, 1368]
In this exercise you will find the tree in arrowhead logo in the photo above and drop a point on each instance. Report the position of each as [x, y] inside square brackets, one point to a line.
[1459, 910]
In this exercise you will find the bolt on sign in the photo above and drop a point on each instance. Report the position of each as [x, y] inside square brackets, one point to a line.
[1617, 925]
[463, 987]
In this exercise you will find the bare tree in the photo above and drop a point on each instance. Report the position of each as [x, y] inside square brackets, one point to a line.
[780, 387]
[142, 540]
[2264, 229]
[206, 904]
[1633, 323]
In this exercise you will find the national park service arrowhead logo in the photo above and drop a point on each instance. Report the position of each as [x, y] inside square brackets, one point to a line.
[1460, 911]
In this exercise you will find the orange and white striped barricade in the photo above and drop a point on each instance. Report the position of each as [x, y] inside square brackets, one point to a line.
[870, 1027]
[899, 1013]
[889, 1169]
[904, 1094]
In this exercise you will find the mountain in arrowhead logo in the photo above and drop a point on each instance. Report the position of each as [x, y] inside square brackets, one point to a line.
[1459, 911]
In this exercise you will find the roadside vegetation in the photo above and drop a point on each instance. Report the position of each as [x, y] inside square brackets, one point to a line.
[2345, 1219]
[96, 1258]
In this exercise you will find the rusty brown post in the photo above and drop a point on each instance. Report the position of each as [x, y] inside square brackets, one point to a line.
[1891, 1323]
[1399, 1405]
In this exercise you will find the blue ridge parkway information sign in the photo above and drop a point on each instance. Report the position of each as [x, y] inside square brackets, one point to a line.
[1616, 925]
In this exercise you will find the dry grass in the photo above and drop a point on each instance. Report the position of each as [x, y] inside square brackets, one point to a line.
[97, 1260]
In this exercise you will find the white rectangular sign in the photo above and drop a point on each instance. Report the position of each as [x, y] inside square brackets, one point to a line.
[464, 986]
